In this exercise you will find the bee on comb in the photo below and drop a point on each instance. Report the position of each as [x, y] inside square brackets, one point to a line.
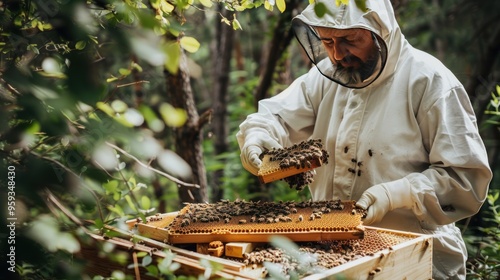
[293, 164]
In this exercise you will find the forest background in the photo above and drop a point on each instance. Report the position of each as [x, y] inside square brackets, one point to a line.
[124, 109]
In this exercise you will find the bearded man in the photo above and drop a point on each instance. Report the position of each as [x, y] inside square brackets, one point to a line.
[394, 114]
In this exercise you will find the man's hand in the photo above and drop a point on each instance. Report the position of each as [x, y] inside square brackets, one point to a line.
[256, 140]
[382, 198]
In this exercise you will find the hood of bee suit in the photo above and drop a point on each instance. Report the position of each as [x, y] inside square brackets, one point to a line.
[378, 18]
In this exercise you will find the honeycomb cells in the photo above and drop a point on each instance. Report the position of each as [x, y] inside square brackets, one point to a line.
[329, 254]
[304, 155]
[266, 217]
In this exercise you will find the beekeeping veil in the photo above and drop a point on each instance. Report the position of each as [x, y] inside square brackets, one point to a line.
[378, 19]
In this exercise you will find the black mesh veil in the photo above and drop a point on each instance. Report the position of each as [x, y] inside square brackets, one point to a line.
[315, 50]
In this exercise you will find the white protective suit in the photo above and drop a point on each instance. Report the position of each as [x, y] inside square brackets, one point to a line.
[413, 127]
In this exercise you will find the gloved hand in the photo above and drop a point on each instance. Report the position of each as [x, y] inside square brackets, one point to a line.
[256, 140]
[382, 198]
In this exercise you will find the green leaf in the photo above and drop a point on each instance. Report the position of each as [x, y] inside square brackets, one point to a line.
[236, 24]
[206, 3]
[80, 45]
[147, 260]
[110, 187]
[361, 4]
[145, 202]
[105, 108]
[320, 9]
[124, 71]
[281, 5]
[190, 44]
[116, 209]
[173, 117]
[141, 254]
[173, 55]
[130, 203]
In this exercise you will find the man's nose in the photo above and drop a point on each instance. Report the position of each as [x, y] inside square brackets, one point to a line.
[339, 51]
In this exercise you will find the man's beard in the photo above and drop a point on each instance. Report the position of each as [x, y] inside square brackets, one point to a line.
[351, 75]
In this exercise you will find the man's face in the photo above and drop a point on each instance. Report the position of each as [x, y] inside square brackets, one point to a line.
[353, 51]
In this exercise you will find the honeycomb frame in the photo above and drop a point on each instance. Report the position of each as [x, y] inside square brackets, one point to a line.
[288, 162]
[243, 221]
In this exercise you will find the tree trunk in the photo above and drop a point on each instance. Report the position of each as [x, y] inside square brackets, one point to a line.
[188, 138]
[282, 36]
[222, 57]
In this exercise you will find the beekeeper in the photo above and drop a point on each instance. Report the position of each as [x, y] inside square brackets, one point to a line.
[398, 126]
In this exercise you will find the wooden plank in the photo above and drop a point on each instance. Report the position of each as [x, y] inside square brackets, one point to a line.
[237, 249]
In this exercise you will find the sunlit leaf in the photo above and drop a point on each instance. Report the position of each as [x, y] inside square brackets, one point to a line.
[281, 5]
[268, 6]
[166, 7]
[80, 45]
[236, 24]
[105, 108]
[124, 71]
[173, 54]
[119, 106]
[145, 202]
[173, 117]
[190, 44]
[206, 3]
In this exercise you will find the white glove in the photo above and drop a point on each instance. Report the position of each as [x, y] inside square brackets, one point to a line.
[256, 140]
[382, 198]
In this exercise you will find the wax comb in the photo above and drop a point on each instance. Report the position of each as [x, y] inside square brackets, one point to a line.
[297, 159]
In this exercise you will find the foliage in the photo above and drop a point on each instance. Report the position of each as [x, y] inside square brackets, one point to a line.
[83, 115]
[485, 248]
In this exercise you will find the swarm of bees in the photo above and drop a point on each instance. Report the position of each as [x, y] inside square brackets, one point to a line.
[300, 156]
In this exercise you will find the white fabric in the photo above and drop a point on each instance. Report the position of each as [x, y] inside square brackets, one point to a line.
[256, 140]
[415, 122]
[385, 197]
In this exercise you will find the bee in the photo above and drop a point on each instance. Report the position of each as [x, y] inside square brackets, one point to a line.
[346, 149]
[301, 218]
[185, 222]
[351, 170]
[353, 160]
[242, 221]
[359, 172]
[370, 152]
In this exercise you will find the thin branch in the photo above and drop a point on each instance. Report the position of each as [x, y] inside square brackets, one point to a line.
[74, 174]
[168, 176]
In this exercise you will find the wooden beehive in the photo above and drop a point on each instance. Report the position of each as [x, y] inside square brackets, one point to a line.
[242, 221]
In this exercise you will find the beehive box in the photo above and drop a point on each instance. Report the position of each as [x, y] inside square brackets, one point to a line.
[375, 254]
[381, 254]
[242, 221]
